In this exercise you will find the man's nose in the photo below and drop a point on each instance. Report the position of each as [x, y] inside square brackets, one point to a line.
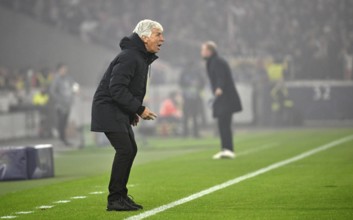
[162, 38]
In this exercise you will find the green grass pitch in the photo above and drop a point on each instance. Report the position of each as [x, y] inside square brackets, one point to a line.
[316, 187]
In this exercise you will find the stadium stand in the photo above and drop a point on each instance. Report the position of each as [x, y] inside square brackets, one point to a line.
[312, 40]
[316, 35]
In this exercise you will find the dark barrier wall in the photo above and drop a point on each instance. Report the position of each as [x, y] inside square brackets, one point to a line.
[25, 42]
[322, 100]
[32, 162]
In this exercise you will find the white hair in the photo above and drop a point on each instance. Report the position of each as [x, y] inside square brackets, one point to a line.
[144, 27]
[211, 45]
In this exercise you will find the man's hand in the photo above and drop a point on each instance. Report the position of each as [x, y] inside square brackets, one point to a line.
[148, 114]
[218, 92]
[136, 120]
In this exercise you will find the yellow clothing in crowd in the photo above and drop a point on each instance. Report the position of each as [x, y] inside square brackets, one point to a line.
[275, 71]
[40, 99]
[44, 81]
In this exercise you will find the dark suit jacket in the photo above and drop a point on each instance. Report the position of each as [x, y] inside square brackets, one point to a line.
[121, 91]
[220, 76]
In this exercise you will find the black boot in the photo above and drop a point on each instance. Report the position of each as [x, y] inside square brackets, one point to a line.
[121, 204]
[130, 200]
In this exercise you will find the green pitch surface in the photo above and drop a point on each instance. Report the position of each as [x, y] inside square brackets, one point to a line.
[319, 186]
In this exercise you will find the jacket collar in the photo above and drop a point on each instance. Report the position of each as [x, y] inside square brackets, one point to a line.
[134, 42]
[211, 59]
[214, 55]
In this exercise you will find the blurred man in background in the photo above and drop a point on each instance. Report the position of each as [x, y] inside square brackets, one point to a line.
[226, 101]
[170, 114]
[40, 101]
[191, 84]
[281, 104]
[348, 62]
[117, 104]
[62, 95]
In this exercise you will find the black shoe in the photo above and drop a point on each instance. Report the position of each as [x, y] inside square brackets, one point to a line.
[130, 200]
[121, 204]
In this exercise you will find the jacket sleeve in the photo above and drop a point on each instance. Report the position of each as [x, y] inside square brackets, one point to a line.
[122, 73]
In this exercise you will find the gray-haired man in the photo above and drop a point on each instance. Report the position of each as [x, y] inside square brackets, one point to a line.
[227, 99]
[117, 105]
[62, 94]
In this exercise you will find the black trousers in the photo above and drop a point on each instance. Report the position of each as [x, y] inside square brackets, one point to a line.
[190, 111]
[125, 152]
[225, 131]
[62, 117]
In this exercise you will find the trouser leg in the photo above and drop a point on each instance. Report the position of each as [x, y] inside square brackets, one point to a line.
[185, 120]
[125, 152]
[195, 125]
[225, 131]
[62, 123]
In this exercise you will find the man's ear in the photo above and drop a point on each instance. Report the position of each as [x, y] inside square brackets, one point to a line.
[144, 39]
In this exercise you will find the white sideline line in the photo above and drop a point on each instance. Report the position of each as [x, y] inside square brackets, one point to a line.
[24, 212]
[239, 179]
[45, 207]
[62, 201]
[78, 197]
[96, 193]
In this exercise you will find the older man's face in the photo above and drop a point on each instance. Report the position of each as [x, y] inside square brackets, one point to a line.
[63, 70]
[154, 42]
[205, 52]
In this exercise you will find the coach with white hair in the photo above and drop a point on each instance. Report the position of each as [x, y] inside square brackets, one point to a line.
[118, 105]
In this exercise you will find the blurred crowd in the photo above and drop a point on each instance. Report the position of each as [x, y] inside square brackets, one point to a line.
[48, 92]
[316, 37]
[23, 87]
